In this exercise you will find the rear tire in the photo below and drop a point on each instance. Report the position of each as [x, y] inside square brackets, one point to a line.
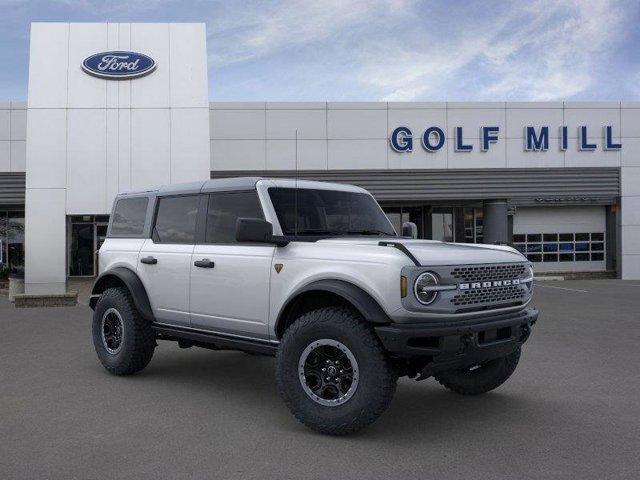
[482, 379]
[123, 340]
[363, 380]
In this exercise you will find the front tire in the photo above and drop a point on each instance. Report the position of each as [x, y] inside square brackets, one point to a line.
[123, 340]
[482, 378]
[357, 383]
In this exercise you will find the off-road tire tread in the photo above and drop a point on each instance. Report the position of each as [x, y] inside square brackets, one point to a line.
[460, 382]
[143, 336]
[356, 327]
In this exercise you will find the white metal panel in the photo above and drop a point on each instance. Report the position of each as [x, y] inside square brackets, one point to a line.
[189, 144]
[574, 157]
[5, 124]
[150, 147]
[113, 43]
[419, 158]
[124, 86]
[152, 90]
[47, 148]
[238, 155]
[518, 118]
[630, 122]
[86, 161]
[124, 150]
[357, 124]
[237, 124]
[471, 119]
[592, 118]
[45, 241]
[518, 157]
[18, 124]
[630, 237]
[188, 69]
[418, 120]
[18, 156]
[630, 181]
[86, 91]
[495, 157]
[5, 156]
[48, 62]
[630, 268]
[111, 167]
[357, 154]
[281, 155]
[630, 211]
[630, 154]
[282, 124]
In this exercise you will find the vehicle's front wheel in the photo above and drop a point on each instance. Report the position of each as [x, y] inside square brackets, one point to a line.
[480, 378]
[124, 341]
[332, 372]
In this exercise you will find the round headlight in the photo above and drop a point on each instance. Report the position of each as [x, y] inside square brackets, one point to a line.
[421, 288]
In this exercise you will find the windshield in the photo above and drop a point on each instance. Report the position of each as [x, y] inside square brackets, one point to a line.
[328, 212]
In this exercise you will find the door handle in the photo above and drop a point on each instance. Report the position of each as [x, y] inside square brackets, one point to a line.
[149, 260]
[204, 263]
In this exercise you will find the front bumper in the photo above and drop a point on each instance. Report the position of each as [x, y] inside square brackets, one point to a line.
[459, 344]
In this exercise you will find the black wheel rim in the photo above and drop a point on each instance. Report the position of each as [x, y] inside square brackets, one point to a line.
[328, 372]
[112, 330]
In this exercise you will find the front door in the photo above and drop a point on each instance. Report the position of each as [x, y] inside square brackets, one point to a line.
[229, 280]
[164, 262]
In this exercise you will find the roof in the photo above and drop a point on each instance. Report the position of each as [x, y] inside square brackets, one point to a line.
[236, 183]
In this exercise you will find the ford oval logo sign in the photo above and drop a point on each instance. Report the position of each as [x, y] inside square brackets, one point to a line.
[118, 65]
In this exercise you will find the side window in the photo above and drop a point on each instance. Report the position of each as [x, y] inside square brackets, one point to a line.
[224, 209]
[128, 217]
[176, 219]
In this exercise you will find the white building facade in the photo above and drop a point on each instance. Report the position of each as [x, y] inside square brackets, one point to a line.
[559, 180]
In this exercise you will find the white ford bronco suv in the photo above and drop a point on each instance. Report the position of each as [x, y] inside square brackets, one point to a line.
[314, 274]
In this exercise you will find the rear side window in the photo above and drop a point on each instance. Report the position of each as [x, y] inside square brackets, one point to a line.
[128, 217]
[176, 219]
[224, 209]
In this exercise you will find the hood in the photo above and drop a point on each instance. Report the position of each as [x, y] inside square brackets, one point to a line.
[433, 252]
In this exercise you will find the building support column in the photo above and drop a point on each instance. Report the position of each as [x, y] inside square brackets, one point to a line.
[495, 222]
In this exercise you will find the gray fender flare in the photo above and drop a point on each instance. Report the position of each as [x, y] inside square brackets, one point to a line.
[368, 307]
[133, 284]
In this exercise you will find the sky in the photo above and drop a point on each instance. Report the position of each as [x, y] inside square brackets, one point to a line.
[377, 50]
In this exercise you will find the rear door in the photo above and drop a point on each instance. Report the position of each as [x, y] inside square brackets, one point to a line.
[230, 280]
[164, 262]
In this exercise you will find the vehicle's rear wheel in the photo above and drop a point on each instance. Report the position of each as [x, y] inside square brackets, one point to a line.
[332, 372]
[124, 341]
[480, 378]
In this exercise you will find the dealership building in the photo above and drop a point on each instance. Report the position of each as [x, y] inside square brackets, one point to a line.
[114, 107]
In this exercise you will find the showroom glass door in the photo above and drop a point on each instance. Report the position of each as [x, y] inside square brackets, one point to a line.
[81, 250]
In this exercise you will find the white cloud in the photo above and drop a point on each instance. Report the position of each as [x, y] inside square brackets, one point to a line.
[257, 30]
[546, 50]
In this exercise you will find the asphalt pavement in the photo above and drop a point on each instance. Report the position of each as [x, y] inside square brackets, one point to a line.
[571, 410]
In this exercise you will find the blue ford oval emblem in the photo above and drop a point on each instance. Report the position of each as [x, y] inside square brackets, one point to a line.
[118, 65]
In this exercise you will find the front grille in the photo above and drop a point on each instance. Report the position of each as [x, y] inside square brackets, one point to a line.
[489, 272]
[481, 296]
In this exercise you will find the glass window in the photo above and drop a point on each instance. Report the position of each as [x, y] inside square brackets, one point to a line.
[597, 237]
[569, 251]
[442, 226]
[128, 217]
[566, 237]
[597, 257]
[550, 247]
[328, 212]
[224, 209]
[550, 237]
[176, 219]
[519, 238]
[582, 237]
[534, 237]
[534, 258]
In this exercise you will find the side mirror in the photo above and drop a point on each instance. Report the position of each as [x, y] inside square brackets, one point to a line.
[409, 229]
[256, 230]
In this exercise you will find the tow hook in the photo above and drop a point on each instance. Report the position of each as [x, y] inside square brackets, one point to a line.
[465, 341]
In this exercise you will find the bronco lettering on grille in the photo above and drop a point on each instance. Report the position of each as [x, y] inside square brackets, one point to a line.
[493, 283]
